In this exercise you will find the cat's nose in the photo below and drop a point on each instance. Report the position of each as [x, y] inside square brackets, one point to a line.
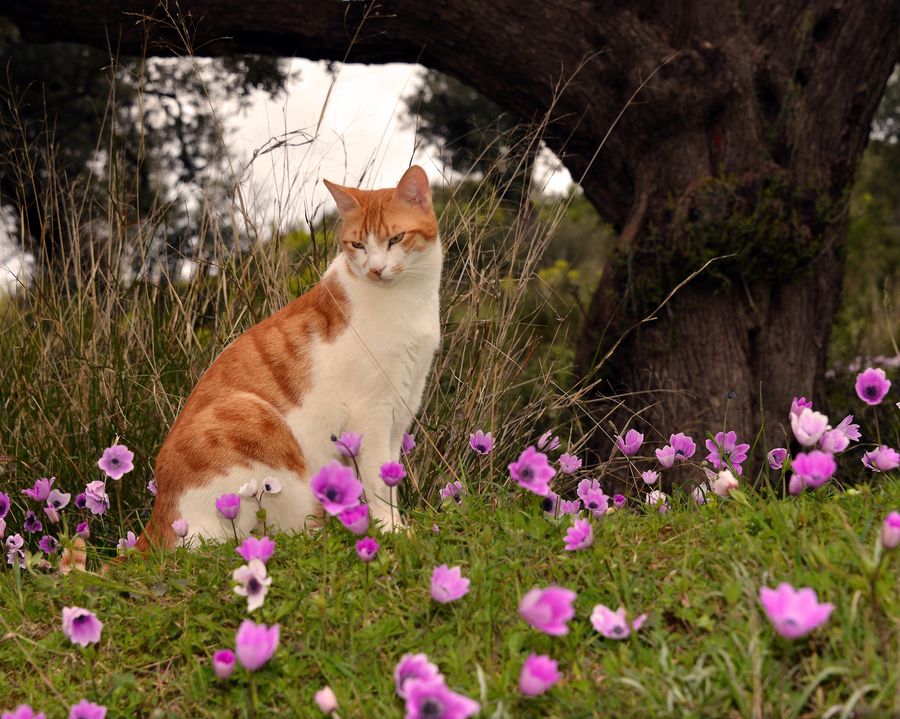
[376, 271]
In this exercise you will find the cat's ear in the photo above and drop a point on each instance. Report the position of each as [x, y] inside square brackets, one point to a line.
[343, 197]
[414, 189]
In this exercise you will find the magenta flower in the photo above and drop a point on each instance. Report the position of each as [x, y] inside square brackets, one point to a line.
[566, 507]
[116, 461]
[666, 456]
[180, 527]
[548, 610]
[434, 700]
[724, 449]
[367, 548]
[407, 443]
[650, 476]
[799, 403]
[794, 612]
[32, 524]
[223, 663]
[414, 667]
[532, 471]
[618, 501]
[631, 443]
[579, 536]
[348, 444]
[253, 583]
[356, 519]
[481, 442]
[539, 673]
[229, 505]
[96, 498]
[87, 710]
[890, 531]
[776, 457]
[253, 548]
[23, 711]
[81, 626]
[326, 700]
[811, 469]
[129, 541]
[454, 490]
[41, 489]
[547, 441]
[255, 644]
[568, 463]
[83, 530]
[81, 500]
[881, 459]
[392, 473]
[448, 584]
[808, 426]
[336, 488]
[872, 385]
[4, 504]
[594, 500]
[48, 545]
[683, 445]
[613, 624]
[838, 439]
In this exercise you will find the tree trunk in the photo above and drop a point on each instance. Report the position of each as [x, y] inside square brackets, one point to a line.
[748, 124]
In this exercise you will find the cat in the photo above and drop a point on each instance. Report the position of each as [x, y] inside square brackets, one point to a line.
[353, 353]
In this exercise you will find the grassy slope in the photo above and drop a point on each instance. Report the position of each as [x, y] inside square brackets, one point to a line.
[707, 649]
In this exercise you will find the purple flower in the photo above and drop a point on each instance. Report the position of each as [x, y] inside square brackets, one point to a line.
[81, 501]
[407, 443]
[81, 626]
[14, 553]
[666, 456]
[414, 667]
[448, 584]
[41, 489]
[659, 500]
[32, 524]
[808, 426]
[872, 385]
[15, 541]
[126, 543]
[613, 624]
[83, 530]
[255, 644]
[57, 499]
[550, 504]
[454, 490]
[683, 445]
[151, 487]
[619, 501]
[890, 531]
[650, 476]
[326, 700]
[631, 443]
[433, 700]
[532, 471]
[367, 548]
[116, 461]
[87, 710]
[566, 507]
[776, 457]
[253, 548]
[229, 505]
[348, 443]
[569, 464]
[539, 673]
[23, 711]
[546, 441]
[4, 504]
[881, 459]
[481, 442]
[223, 663]
[793, 612]
[579, 536]
[96, 498]
[838, 439]
[392, 473]
[594, 500]
[252, 582]
[799, 403]
[48, 545]
[548, 610]
[180, 527]
[356, 519]
[336, 488]
[725, 449]
[812, 469]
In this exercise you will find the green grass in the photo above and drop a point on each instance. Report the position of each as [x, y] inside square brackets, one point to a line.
[706, 651]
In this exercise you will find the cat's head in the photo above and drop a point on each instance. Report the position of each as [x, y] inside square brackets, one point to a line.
[386, 234]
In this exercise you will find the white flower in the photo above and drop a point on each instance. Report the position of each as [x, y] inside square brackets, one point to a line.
[252, 583]
[271, 485]
[658, 499]
[699, 493]
[724, 483]
[808, 426]
[249, 490]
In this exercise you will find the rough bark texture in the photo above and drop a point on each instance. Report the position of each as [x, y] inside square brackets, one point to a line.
[743, 140]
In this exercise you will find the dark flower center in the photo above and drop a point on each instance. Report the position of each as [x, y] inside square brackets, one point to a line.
[592, 505]
[253, 586]
[114, 460]
[618, 629]
[431, 709]
[480, 448]
[679, 452]
[871, 391]
[547, 504]
[333, 494]
[526, 473]
[80, 619]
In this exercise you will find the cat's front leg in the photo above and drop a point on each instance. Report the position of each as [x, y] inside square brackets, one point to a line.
[374, 452]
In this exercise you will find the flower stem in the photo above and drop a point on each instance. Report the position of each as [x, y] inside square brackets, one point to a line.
[251, 697]
[234, 529]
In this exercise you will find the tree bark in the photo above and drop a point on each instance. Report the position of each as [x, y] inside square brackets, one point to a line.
[749, 120]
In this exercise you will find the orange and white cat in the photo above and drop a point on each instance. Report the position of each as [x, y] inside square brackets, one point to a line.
[351, 354]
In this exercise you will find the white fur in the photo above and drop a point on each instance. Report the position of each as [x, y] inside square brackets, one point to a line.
[369, 380]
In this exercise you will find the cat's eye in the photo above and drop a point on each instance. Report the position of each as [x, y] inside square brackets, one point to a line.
[358, 245]
[395, 239]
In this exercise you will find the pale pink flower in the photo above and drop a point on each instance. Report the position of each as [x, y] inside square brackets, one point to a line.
[630, 443]
[808, 426]
[613, 624]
